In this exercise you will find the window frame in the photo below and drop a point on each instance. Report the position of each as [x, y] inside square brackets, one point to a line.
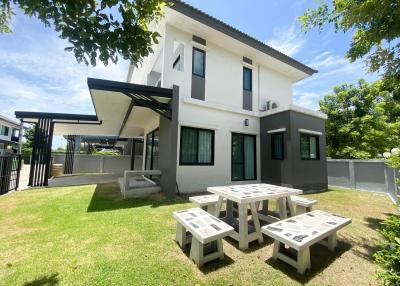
[309, 147]
[273, 157]
[251, 79]
[197, 149]
[255, 157]
[152, 149]
[204, 62]
[6, 130]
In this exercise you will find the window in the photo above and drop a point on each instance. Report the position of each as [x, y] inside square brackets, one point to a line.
[243, 157]
[199, 62]
[309, 147]
[4, 130]
[247, 79]
[197, 146]
[277, 146]
[151, 162]
[177, 63]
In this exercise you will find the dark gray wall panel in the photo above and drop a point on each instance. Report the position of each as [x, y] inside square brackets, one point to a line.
[247, 100]
[168, 147]
[304, 174]
[198, 87]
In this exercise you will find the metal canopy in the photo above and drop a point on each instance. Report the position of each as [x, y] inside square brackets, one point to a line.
[154, 98]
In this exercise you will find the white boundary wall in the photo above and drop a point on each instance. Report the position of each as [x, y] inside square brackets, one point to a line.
[368, 175]
[100, 163]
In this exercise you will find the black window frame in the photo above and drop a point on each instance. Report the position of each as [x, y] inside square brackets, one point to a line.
[6, 130]
[177, 60]
[204, 62]
[255, 157]
[197, 151]
[273, 157]
[251, 79]
[309, 146]
[152, 149]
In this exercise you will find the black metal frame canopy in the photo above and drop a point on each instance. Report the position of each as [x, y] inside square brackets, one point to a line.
[43, 138]
[154, 98]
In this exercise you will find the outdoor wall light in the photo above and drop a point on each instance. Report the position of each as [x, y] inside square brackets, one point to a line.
[246, 122]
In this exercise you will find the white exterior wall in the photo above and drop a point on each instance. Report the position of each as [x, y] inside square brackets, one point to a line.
[222, 109]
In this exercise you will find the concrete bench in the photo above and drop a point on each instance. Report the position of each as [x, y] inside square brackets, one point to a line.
[206, 202]
[207, 232]
[294, 236]
[303, 204]
[135, 184]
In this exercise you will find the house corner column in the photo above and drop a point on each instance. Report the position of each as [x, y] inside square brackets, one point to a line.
[168, 148]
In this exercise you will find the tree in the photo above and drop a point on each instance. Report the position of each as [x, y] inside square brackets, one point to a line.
[376, 31]
[29, 134]
[97, 30]
[360, 120]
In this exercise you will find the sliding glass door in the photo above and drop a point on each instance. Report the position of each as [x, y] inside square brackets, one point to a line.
[152, 139]
[243, 157]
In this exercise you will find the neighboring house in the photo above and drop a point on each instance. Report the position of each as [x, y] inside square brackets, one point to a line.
[214, 106]
[9, 135]
[236, 114]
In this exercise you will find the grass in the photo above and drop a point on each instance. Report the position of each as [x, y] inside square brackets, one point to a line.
[88, 235]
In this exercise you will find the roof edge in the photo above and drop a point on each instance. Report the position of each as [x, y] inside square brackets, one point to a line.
[58, 116]
[222, 27]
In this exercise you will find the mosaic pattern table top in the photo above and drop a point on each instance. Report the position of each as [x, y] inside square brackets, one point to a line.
[302, 201]
[306, 229]
[204, 200]
[204, 226]
[253, 192]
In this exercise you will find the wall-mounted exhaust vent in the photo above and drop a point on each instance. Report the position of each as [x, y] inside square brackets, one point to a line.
[268, 106]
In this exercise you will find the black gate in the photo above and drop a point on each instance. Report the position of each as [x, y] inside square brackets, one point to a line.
[10, 168]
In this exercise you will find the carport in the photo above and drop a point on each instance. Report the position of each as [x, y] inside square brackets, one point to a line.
[122, 110]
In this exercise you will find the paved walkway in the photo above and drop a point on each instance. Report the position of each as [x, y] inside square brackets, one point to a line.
[74, 180]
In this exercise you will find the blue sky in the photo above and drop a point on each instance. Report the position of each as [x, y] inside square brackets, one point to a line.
[36, 73]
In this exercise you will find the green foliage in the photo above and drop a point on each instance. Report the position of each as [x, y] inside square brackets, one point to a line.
[26, 149]
[388, 256]
[376, 29]
[362, 120]
[97, 30]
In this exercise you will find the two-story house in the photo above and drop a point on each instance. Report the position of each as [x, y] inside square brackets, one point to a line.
[214, 106]
[9, 135]
[237, 122]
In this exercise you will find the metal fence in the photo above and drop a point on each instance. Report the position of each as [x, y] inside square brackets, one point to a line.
[10, 167]
[369, 175]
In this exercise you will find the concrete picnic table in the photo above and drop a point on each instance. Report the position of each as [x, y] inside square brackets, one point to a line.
[252, 195]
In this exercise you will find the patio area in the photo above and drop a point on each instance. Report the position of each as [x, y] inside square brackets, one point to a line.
[90, 234]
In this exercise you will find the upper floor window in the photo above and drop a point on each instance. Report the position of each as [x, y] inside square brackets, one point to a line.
[199, 61]
[277, 146]
[4, 130]
[247, 79]
[309, 147]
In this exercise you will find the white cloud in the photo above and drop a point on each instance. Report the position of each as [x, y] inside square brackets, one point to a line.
[287, 40]
[308, 99]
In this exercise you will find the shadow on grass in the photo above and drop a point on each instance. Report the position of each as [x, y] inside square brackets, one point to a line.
[47, 280]
[107, 197]
[253, 246]
[209, 266]
[321, 258]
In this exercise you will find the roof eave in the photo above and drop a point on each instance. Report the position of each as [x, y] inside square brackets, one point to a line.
[222, 27]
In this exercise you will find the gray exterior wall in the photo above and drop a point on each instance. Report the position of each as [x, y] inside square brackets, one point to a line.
[100, 163]
[198, 87]
[308, 175]
[368, 175]
[247, 100]
[168, 147]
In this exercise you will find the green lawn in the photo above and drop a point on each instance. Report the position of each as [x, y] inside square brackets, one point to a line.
[88, 235]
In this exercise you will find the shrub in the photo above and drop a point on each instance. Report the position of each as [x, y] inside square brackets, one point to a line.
[388, 256]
